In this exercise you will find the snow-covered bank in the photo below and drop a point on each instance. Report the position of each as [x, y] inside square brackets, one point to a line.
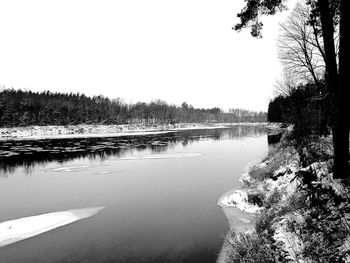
[92, 131]
[301, 212]
[239, 199]
[19, 229]
[78, 131]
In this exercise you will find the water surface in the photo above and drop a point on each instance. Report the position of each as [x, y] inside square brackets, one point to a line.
[159, 193]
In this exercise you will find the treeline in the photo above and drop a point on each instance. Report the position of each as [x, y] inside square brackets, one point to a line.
[307, 107]
[22, 108]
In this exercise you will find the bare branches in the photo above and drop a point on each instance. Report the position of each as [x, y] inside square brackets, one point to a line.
[285, 86]
[300, 48]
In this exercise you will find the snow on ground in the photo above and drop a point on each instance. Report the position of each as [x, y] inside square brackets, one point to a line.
[289, 241]
[53, 135]
[83, 131]
[19, 229]
[286, 184]
[89, 131]
[325, 177]
[282, 169]
[239, 199]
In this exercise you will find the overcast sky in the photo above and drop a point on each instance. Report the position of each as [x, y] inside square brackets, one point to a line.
[139, 50]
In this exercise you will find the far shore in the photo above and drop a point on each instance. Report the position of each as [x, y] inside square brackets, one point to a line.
[100, 131]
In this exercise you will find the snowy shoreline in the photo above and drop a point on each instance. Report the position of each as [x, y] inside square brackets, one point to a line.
[273, 200]
[238, 197]
[97, 131]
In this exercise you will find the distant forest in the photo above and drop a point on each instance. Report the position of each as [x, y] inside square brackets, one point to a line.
[23, 108]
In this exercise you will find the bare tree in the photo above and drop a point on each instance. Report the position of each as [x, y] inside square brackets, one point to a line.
[329, 13]
[300, 48]
[302, 54]
[286, 84]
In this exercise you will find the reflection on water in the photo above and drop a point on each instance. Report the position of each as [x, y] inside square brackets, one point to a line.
[160, 194]
[30, 153]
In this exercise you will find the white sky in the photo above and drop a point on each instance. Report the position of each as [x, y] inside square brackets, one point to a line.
[139, 50]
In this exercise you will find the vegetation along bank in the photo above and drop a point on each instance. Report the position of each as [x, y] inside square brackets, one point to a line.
[302, 212]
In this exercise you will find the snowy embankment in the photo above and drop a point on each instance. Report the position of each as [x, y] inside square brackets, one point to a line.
[277, 192]
[19, 229]
[283, 183]
[239, 199]
[92, 131]
[87, 131]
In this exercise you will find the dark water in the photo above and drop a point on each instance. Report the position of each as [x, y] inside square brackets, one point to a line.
[159, 194]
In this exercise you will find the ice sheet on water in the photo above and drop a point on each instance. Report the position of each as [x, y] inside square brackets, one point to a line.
[161, 156]
[109, 172]
[75, 168]
[19, 229]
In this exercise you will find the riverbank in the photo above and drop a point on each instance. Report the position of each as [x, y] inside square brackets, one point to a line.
[300, 213]
[96, 131]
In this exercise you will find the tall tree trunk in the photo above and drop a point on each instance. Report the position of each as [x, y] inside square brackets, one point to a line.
[329, 49]
[341, 133]
[337, 84]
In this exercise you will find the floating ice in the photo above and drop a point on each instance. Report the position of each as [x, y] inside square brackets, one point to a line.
[105, 172]
[161, 156]
[19, 229]
[68, 168]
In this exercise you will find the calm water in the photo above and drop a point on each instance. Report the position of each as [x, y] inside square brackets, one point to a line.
[159, 194]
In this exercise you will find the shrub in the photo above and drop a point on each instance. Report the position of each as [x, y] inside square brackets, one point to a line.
[327, 224]
[276, 159]
[263, 224]
[272, 199]
[244, 248]
[261, 173]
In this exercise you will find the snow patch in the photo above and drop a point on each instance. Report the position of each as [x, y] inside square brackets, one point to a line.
[96, 131]
[239, 199]
[289, 241]
[245, 178]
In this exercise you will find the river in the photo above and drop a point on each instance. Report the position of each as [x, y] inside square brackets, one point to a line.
[159, 191]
